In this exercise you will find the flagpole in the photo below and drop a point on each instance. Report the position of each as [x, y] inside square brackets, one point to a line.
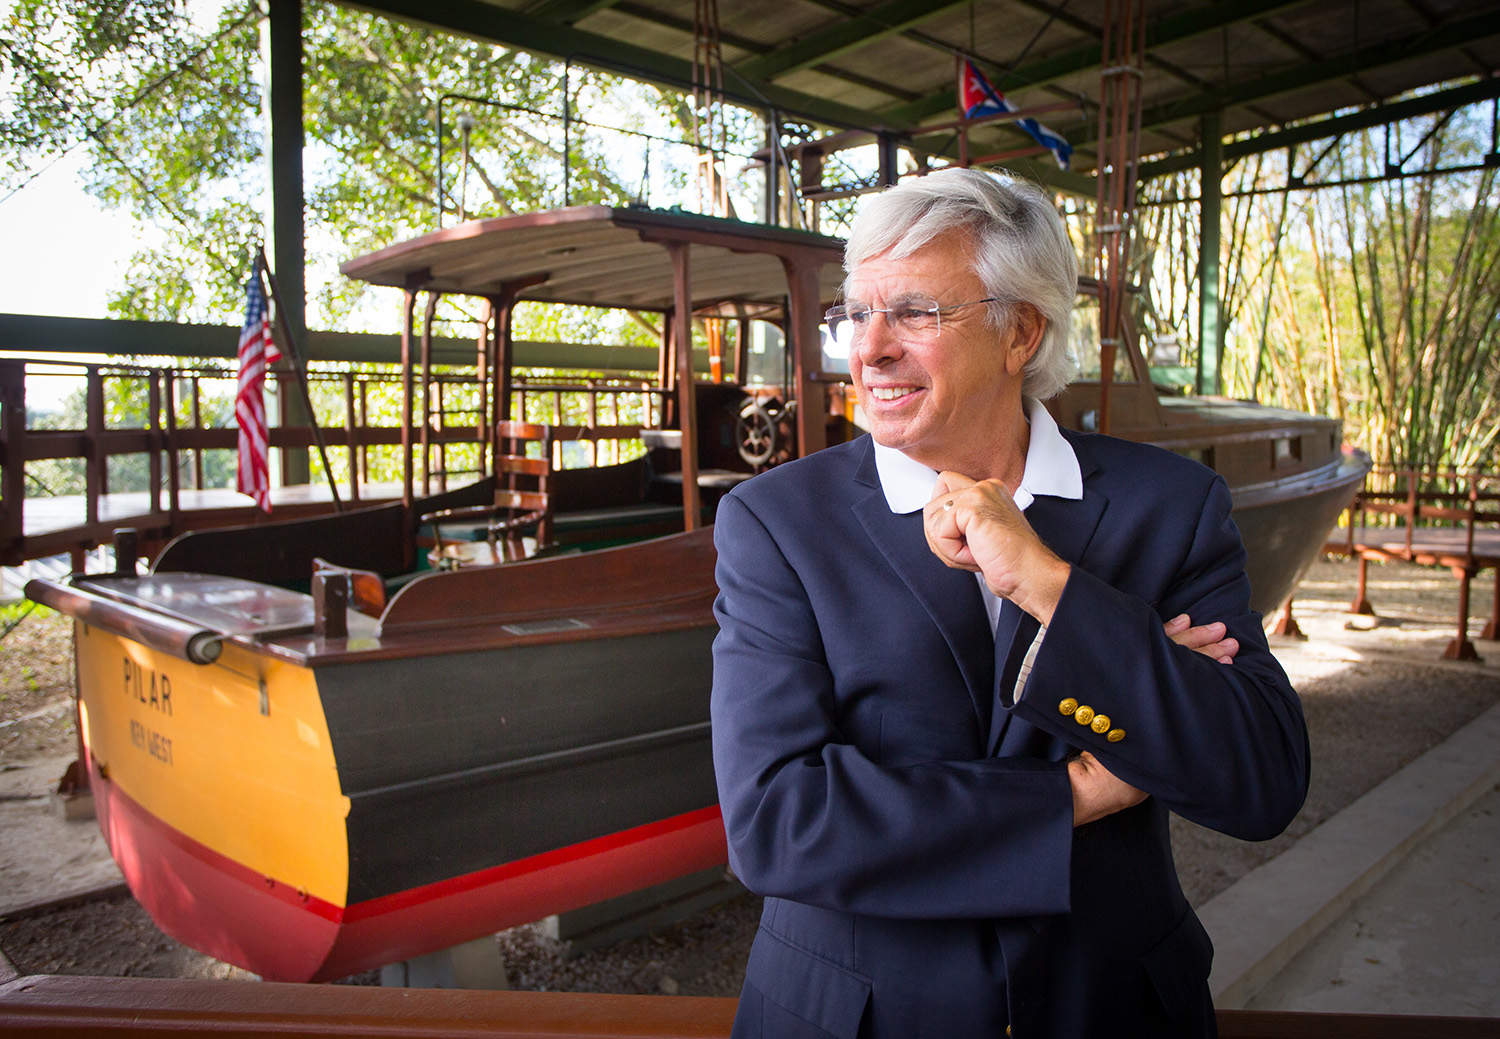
[963, 120]
[1013, 116]
[298, 369]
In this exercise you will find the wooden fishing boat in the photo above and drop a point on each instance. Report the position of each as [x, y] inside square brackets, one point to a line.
[307, 789]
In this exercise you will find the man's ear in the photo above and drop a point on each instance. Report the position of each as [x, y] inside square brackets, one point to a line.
[1027, 326]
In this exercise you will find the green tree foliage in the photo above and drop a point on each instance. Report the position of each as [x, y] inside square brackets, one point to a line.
[1376, 300]
[170, 115]
[163, 113]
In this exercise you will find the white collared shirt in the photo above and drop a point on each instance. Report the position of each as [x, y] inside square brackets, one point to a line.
[1051, 469]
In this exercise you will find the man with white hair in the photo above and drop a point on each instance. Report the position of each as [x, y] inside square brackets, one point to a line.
[956, 686]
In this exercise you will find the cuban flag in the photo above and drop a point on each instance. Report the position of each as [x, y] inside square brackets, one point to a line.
[977, 96]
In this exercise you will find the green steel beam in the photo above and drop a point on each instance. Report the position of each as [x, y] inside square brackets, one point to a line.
[33, 334]
[1159, 33]
[1043, 170]
[1210, 326]
[287, 249]
[524, 32]
[566, 12]
[847, 35]
[754, 48]
[30, 335]
[1444, 37]
[1377, 115]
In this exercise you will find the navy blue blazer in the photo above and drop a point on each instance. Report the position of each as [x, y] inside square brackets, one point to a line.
[911, 825]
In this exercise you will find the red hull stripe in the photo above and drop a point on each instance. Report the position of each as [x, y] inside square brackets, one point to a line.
[212, 903]
[209, 902]
[439, 915]
[399, 900]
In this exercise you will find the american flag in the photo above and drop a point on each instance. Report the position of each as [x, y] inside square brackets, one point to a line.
[977, 96]
[257, 351]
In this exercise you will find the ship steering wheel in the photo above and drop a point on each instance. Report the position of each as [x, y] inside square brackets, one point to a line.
[765, 432]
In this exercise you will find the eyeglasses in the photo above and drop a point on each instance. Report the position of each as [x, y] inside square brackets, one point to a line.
[918, 317]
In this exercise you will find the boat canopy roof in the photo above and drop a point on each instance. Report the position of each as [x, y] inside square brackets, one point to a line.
[604, 256]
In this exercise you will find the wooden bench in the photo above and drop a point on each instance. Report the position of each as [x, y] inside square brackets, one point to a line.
[1435, 519]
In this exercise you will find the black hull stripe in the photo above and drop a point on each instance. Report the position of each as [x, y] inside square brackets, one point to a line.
[506, 770]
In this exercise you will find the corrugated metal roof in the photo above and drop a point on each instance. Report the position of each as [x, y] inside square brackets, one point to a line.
[890, 63]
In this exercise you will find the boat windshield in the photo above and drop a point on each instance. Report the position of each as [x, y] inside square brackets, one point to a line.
[1086, 343]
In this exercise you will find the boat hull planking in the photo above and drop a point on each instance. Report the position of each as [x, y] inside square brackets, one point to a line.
[359, 813]
[1285, 526]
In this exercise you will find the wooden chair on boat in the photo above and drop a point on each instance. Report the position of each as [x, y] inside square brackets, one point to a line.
[522, 503]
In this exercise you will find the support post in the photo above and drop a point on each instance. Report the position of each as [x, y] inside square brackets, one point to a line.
[154, 439]
[425, 437]
[408, 318]
[484, 367]
[1492, 629]
[174, 477]
[687, 411]
[1461, 648]
[502, 358]
[1119, 156]
[772, 199]
[890, 169]
[281, 52]
[1361, 604]
[95, 464]
[1286, 624]
[1210, 331]
[806, 349]
[13, 443]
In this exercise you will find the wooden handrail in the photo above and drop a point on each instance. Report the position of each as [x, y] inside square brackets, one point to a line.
[1463, 503]
[181, 639]
[172, 448]
[48, 1006]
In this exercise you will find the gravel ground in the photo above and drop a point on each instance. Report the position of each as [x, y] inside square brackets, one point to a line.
[1375, 694]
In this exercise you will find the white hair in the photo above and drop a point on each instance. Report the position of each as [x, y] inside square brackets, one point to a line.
[1021, 251]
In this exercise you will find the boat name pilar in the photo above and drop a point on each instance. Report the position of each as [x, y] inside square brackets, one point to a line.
[148, 687]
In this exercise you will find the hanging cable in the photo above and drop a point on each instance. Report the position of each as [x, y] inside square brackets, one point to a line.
[708, 96]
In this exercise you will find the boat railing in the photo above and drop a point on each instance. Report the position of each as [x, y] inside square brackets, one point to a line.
[154, 447]
[1413, 499]
[569, 404]
[140, 445]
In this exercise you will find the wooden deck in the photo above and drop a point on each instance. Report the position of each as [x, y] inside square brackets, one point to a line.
[58, 525]
[1433, 546]
[57, 515]
[1466, 551]
[55, 1006]
[1461, 532]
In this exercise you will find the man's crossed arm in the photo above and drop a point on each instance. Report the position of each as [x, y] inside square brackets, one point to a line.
[976, 526]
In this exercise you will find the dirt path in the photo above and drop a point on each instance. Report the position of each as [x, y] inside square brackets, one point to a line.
[1375, 697]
